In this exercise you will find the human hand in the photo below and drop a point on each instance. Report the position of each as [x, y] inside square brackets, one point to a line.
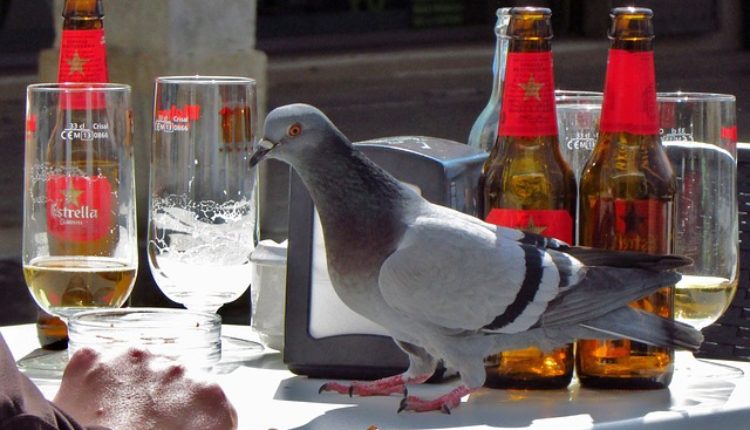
[131, 392]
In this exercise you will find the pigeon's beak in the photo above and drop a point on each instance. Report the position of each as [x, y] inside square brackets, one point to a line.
[264, 146]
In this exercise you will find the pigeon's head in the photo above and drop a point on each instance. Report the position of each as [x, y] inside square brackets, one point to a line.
[295, 132]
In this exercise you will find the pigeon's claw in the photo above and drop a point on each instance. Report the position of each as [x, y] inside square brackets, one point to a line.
[337, 388]
[364, 389]
[381, 387]
[445, 403]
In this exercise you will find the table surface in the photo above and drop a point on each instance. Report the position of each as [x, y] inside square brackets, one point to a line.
[268, 396]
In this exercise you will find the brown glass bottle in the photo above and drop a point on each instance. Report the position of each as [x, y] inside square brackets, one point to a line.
[527, 184]
[83, 49]
[51, 331]
[82, 58]
[81, 210]
[627, 194]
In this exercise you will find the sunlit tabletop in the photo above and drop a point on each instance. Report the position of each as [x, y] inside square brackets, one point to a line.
[268, 396]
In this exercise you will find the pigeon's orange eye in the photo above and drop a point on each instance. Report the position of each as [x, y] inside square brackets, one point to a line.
[294, 130]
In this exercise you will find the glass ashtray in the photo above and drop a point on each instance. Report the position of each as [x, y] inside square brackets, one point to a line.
[192, 339]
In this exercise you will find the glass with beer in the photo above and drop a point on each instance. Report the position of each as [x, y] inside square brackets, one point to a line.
[79, 223]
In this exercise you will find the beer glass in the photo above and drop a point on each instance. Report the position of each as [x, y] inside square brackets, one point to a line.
[79, 224]
[577, 129]
[699, 133]
[577, 126]
[203, 192]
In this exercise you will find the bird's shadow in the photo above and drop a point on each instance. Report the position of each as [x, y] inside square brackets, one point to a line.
[572, 408]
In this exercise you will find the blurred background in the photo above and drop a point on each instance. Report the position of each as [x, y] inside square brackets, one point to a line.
[376, 67]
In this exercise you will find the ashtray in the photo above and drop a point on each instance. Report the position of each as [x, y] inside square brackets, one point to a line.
[190, 338]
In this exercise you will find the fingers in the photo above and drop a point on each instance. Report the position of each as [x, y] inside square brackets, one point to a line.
[79, 366]
[81, 361]
[158, 393]
[223, 415]
[137, 355]
[173, 373]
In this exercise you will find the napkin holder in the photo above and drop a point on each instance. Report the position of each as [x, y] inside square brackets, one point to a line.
[323, 338]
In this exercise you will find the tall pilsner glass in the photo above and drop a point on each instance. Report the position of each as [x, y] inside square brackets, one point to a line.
[79, 224]
[202, 214]
[699, 133]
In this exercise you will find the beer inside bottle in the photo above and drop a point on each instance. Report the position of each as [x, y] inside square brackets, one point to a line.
[83, 58]
[51, 331]
[527, 184]
[627, 193]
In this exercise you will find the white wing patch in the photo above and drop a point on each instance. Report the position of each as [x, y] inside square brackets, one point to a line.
[460, 273]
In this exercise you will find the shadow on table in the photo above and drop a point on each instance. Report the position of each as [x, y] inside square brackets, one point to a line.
[572, 408]
[265, 359]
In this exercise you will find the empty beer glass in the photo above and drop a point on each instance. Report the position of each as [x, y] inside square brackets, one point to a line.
[202, 211]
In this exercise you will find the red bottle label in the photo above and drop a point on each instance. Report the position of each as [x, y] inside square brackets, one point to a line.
[632, 225]
[78, 207]
[31, 124]
[528, 108]
[555, 223]
[630, 94]
[729, 133]
[83, 58]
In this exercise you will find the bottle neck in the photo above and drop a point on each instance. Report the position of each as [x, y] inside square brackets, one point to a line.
[528, 95]
[501, 55]
[83, 23]
[83, 50]
[83, 15]
[498, 70]
[629, 104]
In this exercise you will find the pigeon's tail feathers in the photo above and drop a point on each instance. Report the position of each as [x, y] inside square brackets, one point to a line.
[603, 290]
[603, 257]
[651, 329]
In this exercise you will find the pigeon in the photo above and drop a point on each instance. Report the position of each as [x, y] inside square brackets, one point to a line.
[449, 286]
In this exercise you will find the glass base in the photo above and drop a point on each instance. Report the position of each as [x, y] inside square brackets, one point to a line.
[696, 368]
[43, 364]
[234, 349]
[235, 352]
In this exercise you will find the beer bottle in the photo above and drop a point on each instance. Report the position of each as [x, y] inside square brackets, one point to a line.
[83, 58]
[51, 331]
[627, 196]
[527, 184]
[483, 133]
[80, 209]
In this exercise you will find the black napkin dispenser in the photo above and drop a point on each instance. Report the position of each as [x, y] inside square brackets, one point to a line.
[323, 338]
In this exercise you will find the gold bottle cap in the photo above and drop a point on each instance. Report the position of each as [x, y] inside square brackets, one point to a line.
[530, 23]
[631, 23]
[83, 9]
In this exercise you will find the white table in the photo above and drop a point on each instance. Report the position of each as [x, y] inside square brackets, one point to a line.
[268, 396]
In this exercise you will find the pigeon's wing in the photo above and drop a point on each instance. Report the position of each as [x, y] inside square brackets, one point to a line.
[460, 274]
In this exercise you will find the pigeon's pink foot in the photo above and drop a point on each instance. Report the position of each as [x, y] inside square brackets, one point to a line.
[381, 387]
[444, 403]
